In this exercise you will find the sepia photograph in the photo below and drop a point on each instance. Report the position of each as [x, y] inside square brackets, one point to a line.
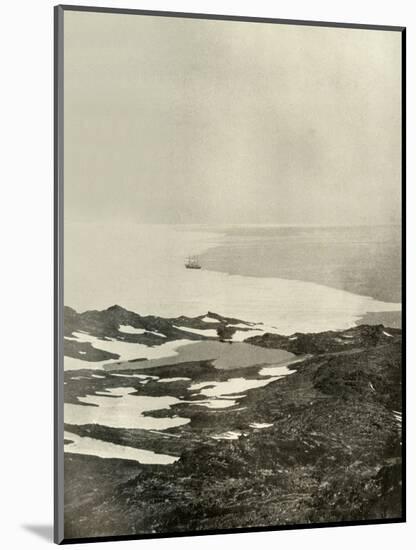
[229, 274]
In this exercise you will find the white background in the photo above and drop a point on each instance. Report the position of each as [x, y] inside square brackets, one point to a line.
[26, 303]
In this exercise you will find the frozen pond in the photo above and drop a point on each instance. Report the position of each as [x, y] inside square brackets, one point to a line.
[223, 355]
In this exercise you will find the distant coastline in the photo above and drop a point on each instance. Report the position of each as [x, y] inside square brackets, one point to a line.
[363, 260]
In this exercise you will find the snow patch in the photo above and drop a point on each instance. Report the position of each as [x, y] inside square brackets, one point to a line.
[201, 332]
[227, 435]
[174, 379]
[260, 425]
[128, 329]
[118, 408]
[105, 449]
[125, 350]
[229, 387]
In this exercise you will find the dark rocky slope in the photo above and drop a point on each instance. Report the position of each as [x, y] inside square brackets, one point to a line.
[333, 452]
[105, 324]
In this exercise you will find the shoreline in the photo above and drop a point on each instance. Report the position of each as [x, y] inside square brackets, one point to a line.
[293, 252]
[145, 272]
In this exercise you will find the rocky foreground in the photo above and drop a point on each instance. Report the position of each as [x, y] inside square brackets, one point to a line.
[331, 452]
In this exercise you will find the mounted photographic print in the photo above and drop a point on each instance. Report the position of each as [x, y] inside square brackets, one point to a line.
[228, 278]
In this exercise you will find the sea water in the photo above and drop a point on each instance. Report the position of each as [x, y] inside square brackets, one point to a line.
[141, 267]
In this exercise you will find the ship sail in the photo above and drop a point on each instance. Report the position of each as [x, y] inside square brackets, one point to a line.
[192, 262]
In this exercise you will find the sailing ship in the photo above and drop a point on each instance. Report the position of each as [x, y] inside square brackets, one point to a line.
[192, 263]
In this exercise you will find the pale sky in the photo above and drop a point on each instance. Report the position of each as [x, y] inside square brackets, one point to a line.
[196, 121]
